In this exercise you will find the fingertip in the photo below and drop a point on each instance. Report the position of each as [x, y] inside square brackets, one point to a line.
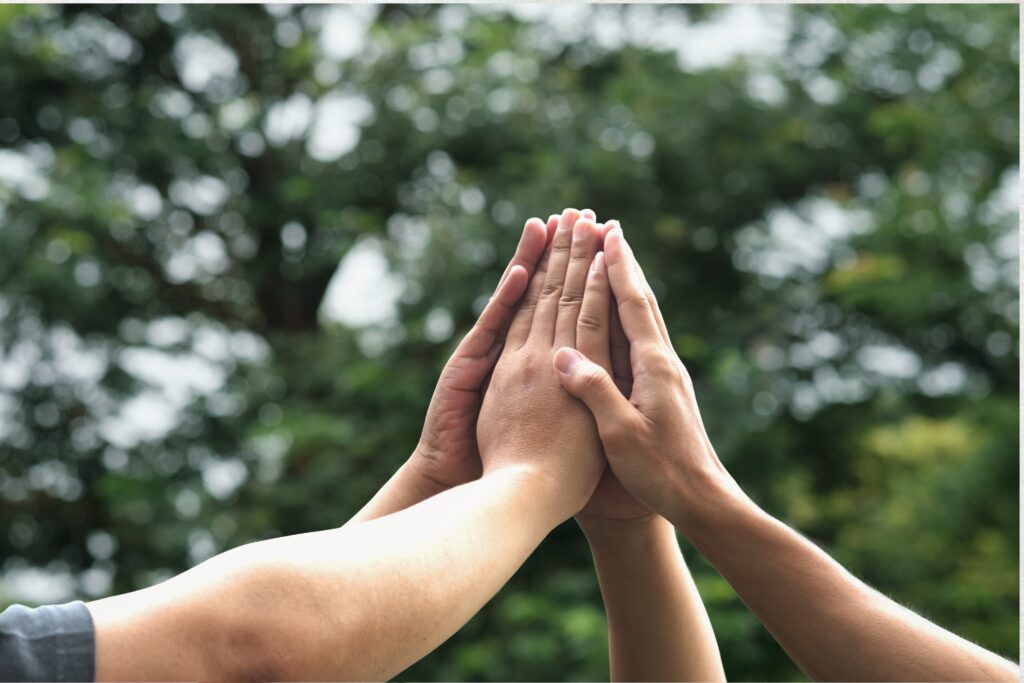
[565, 359]
[533, 223]
[588, 213]
[613, 240]
[516, 281]
[552, 226]
[582, 227]
[598, 266]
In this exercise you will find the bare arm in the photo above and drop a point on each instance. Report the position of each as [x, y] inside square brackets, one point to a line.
[830, 623]
[367, 600]
[833, 625]
[361, 602]
[658, 627]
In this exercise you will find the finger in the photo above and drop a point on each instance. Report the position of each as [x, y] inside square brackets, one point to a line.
[635, 312]
[587, 213]
[543, 326]
[581, 258]
[622, 371]
[519, 331]
[495, 317]
[651, 299]
[591, 384]
[530, 248]
[592, 324]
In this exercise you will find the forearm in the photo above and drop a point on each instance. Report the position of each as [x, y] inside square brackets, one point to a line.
[406, 487]
[657, 626]
[361, 602]
[831, 624]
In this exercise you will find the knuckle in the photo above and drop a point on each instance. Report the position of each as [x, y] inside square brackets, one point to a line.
[551, 289]
[615, 432]
[570, 298]
[560, 246]
[658, 363]
[589, 322]
[634, 300]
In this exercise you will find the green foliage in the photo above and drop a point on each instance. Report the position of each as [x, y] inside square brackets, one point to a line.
[831, 232]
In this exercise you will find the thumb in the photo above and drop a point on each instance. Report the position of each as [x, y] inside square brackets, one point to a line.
[592, 384]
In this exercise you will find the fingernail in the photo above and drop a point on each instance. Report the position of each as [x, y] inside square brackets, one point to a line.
[598, 263]
[566, 359]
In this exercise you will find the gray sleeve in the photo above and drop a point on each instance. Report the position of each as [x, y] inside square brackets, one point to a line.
[50, 643]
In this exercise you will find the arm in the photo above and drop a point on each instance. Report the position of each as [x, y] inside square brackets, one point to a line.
[658, 629]
[361, 602]
[367, 600]
[830, 623]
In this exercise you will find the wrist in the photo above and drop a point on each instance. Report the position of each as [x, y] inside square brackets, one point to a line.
[418, 476]
[708, 504]
[604, 530]
[547, 495]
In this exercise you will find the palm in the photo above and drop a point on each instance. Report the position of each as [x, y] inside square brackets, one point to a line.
[448, 442]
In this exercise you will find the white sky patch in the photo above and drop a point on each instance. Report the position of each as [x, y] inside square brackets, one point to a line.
[203, 194]
[802, 237]
[37, 586]
[201, 255]
[889, 361]
[336, 127]
[343, 35]
[363, 290]
[23, 171]
[288, 120]
[74, 359]
[735, 31]
[201, 60]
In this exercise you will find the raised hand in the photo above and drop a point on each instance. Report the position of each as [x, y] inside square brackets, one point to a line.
[599, 336]
[447, 453]
[654, 439]
[527, 420]
[832, 625]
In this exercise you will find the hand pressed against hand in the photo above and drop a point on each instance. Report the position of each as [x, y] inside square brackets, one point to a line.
[527, 419]
[600, 337]
[655, 440]
[447, 452]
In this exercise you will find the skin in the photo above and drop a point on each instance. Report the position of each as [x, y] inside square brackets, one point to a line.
[658, 627]
[833, 625]
[447, 454]
[365, 601]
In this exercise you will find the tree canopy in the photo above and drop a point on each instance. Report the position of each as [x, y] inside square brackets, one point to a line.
[827, 211]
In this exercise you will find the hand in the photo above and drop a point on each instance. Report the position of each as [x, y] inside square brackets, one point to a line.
[447, 453]
[654, 441]
[527, 420]
[601, 338]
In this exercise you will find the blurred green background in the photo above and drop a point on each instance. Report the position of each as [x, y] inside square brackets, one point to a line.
[238, 243]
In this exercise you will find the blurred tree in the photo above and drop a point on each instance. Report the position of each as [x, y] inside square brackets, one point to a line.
[831, 228]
